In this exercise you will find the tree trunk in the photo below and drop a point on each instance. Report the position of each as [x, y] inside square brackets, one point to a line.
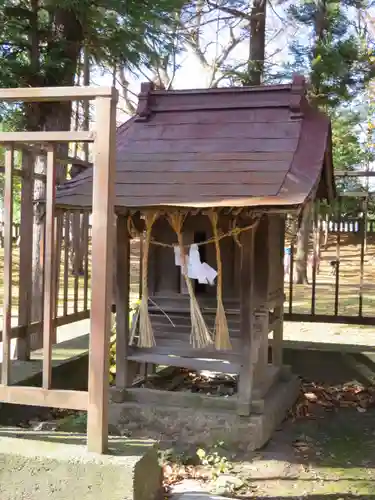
[317, 242]
[67, 35]
[315, 78]
[257, 43]
[302, 247]
[38, 245]
[77, 250]
[54, 118]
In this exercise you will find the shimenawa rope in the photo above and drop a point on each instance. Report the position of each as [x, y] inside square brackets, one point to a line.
[222, 338]
[146, 334]
[200, 335]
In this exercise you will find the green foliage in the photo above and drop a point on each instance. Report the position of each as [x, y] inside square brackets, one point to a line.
[41, 44]
[214, 459]
[41, 41]
[7, 127]
[349, 152]
[333, 54]
[114, 31]
[77, 422]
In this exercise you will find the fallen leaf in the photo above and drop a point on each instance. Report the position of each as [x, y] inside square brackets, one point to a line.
[310, 396]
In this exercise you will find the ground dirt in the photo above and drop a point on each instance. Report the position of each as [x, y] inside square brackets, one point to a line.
[330, 456]
[333, 454]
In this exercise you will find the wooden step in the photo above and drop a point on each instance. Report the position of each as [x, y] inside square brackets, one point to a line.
[219, 366]
[184, 350]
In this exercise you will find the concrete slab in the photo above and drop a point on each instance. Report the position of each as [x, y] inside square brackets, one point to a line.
[56, 466]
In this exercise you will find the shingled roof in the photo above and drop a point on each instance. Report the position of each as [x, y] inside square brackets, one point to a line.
[226, 147]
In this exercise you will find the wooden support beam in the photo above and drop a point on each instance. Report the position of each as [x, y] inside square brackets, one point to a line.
[77, 255]
[56, 266]
[354, 173]
[35, 137]
[66, 261]
[261, 361]
[36, 396]
[102, 274]
[245, 383]
[8, 244]
[49, 270]
[278, 331]
[53, 94]
[23, 330]
[180, 399]
[26, 254]
[122, 303]
[63, 160]
[356, 194]
[86, 259]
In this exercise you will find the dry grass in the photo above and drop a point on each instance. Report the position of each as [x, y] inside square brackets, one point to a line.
[75, 296]
[349, 281]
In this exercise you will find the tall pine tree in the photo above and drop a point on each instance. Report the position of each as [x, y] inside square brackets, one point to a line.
[41, 42]
[332, 55]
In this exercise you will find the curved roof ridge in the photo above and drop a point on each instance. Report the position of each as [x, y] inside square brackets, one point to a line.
[233, 151]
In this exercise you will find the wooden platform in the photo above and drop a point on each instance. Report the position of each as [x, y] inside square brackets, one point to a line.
[62, 353]
[172, 330]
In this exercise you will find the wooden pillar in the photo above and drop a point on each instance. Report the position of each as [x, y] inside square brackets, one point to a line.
[86, 260]
[123, 366]
[102, 271]
[26, 256]
[261, 356]
[277, 343]
[7, 298]
[49, 270]
[66, 263]
[245, 383]
[56, 268]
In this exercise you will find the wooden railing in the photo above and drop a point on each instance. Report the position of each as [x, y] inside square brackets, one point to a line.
[96, 399]
[16, 226]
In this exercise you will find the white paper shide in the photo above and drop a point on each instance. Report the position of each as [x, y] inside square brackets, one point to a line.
[196, 269]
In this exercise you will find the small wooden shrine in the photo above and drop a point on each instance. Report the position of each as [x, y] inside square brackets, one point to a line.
[207, 177]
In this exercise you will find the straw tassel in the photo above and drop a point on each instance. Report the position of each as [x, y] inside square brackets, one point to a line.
[200, 336]
[146, 334]
[222, 338]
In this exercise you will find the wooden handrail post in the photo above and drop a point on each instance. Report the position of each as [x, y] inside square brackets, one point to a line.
[102, 271]
[49, 271]
[8, 247]
[26, 255]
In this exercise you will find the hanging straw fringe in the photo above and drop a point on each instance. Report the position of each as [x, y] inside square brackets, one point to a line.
[222, 338]
[146, 334]
[200, 336]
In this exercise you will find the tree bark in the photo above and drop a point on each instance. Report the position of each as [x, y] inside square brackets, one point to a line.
[315, 77]
[77, 222]
[257, 43]
[67, 35]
